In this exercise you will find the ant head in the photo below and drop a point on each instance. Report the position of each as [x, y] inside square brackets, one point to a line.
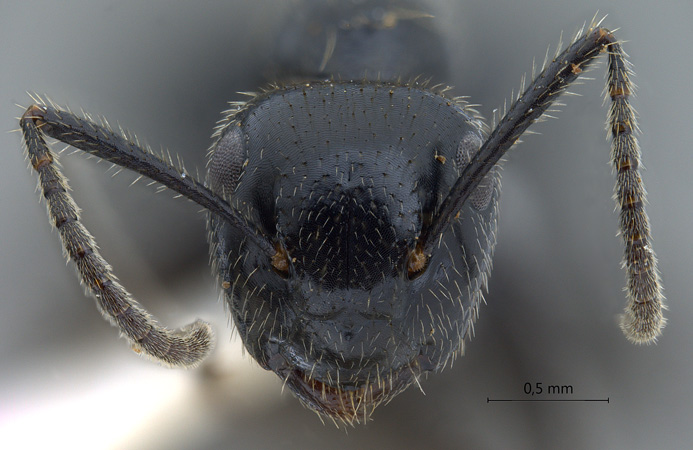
[343, 179]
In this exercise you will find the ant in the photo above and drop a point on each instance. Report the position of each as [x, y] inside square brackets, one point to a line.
[352, 209]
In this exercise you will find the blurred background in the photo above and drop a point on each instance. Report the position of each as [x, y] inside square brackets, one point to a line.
[165, 70]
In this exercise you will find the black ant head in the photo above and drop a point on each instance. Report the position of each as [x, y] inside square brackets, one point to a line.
[343, 179]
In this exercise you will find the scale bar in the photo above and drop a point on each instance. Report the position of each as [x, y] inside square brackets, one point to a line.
[605, 400]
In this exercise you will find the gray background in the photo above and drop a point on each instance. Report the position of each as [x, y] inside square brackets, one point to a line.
[165, 70]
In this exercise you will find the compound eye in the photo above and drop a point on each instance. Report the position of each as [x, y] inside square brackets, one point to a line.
[227, 162]
[468, 147]
[416, 263]
[280, 261]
